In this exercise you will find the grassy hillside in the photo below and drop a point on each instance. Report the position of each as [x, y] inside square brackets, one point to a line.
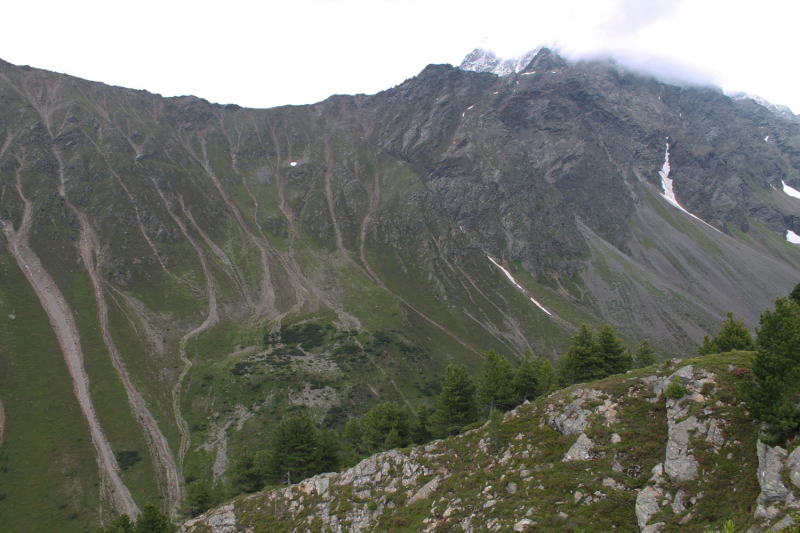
[518, 475]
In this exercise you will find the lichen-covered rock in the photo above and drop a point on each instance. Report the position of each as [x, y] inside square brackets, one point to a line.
[581, 450]
[793, 464]
[647, 504]
[680, 464]
[220, 520]
[425, 491]
[770, 465]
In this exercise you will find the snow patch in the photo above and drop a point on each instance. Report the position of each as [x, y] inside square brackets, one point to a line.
[766, 139]
[792, 237]
[669, 192]
[293, 164]
[520, 287]
[794, 193]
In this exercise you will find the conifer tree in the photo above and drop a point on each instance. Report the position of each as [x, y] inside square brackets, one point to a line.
[455, 406]
[295, 452]
[196, 499]
[496, 383]
[582, 362]
[121, 524]
[533, 378]
[612, 351]
[773, 394]
[794, 296]
[330, 451]
[734, 335]
[420, 429]
[644, 355]
[245, 476]
[151, 520]
[379, 422]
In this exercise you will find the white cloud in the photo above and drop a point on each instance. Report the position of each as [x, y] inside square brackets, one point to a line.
[262, 54]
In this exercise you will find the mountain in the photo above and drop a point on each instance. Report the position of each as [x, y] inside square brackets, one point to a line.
[480, 60]
[176, 276]
[572, 461]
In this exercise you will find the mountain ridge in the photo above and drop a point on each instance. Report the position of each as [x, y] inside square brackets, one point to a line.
[188, 240]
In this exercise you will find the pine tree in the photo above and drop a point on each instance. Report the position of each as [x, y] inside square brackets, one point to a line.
[773, 394]
[296, 450]
[351, 443]
[353, 434]
[246, 477]
[455, 406]
[420, 429]
[378, 423]
[121, 524]
[794, 296]
[533, 378]
[153, 521]
[734, 335]
[196, 499]
[496, 383]
[612, 351]
[644, 355]
[582, 362]
[393, 440]
[330, 453]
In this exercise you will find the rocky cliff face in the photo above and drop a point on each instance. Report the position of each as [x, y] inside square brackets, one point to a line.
[204, 270]
[610, 455]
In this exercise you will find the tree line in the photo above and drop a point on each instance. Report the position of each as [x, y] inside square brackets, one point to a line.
[300, 449]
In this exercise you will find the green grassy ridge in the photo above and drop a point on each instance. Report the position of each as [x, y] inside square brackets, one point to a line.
[527, 440]
[48, 471]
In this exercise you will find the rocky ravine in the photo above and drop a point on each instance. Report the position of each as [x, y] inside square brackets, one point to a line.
[616, 454]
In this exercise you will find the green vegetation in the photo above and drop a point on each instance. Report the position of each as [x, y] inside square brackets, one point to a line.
[384, 427]
[496, 384]
[591, 357]
[513, 468]
[534, 377]
[675, 390]
[197, 499]
[732, 336]
[773, 393]
[644, 355]
[151, 520]
[455, 407]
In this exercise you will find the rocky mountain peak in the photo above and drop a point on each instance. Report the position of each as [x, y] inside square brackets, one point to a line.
[480, 60]
[545, 59]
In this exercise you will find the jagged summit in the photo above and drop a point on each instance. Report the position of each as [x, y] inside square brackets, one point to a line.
[480, 60]
[778, 110]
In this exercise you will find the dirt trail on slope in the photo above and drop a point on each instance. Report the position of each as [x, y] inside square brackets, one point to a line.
[164, 461]
[211, 319]
[219, 253]
[329, 197]
[63, 324]
[374, 199]
[267, 304]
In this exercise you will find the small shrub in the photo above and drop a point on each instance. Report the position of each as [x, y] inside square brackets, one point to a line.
[372, 506]
[676, 390]
[127, 458]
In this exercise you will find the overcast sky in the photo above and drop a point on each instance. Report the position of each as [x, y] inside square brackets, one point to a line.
[268, 53]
